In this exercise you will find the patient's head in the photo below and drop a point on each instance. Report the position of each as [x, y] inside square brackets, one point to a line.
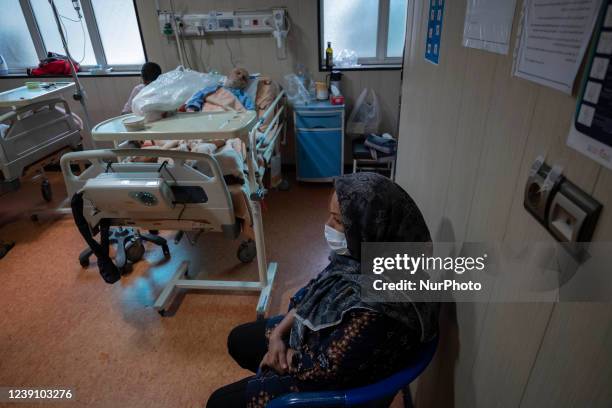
[149, 72]
[238, 78]
[368, 207]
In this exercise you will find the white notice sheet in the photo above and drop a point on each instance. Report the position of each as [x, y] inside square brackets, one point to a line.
[488, 24]
[554, 37]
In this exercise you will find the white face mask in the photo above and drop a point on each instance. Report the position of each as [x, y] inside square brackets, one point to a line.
[336, 240]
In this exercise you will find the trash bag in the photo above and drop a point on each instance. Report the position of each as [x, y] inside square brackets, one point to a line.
[170, 90]
[365, 116]
[295, 90]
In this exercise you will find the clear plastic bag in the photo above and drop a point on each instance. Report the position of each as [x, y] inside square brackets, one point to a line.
[295, 89]
[346, 59]
[365, 116]
[170, 90]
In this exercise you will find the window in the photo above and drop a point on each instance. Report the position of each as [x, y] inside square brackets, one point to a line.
[101, 32]
[16, 46]
[377, 38]
[119, 32]
[77, 34]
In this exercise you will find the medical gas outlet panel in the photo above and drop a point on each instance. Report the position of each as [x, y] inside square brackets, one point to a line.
[218, 22]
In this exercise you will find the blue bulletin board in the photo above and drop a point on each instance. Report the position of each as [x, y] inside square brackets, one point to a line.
[591, 133]
[434, 31]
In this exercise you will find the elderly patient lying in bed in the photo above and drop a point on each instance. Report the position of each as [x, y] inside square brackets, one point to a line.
[230, 96]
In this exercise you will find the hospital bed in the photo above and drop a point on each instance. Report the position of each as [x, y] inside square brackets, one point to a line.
[176, 195]
[36, 129]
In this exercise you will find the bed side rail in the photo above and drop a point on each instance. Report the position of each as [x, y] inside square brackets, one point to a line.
[102, 156]
[270, 110]
[215, 214]
[254, 172]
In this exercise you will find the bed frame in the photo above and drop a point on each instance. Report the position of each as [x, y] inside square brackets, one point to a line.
[214, 214]
[41, 128]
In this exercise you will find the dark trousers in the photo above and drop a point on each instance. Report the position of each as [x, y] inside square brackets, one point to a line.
[247, 345]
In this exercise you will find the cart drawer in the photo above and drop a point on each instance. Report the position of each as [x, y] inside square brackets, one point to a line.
[318, 119]
[319, 154]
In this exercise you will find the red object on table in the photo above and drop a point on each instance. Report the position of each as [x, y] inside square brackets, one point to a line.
[336, 100]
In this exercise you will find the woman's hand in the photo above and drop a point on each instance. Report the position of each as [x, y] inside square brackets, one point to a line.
[276, 357]
[290, 353]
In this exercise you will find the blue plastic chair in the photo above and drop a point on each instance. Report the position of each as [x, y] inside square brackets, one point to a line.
[362, 395]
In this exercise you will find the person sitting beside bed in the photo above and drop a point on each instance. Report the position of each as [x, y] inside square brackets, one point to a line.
[148, 73]
[331, 338]
[230, 96]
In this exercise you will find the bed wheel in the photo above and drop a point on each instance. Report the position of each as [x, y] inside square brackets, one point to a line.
[284, 185]
[84, 262]
[134, 250]
[166, 251]
[247, 251]
[45, 189]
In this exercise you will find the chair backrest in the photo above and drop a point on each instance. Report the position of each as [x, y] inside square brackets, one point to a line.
[361, 395]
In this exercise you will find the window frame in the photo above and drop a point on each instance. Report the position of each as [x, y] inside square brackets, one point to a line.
[381, 61]
[94, 34]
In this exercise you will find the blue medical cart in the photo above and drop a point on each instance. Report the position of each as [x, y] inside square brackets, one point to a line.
[319, 134]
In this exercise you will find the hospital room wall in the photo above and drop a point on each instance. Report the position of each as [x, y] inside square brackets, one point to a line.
[257, 53]
[469, 132]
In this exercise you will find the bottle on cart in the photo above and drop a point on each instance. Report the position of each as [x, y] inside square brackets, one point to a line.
[3, 66]
[329, 56]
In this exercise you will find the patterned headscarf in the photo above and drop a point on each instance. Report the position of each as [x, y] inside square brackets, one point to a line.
[373, 209]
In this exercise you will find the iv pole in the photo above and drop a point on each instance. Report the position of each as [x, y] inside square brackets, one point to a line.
[79, 94]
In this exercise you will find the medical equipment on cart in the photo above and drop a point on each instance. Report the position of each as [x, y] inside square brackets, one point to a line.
[175, 195]
[38, 125]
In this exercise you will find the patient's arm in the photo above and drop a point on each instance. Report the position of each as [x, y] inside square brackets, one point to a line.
[196, 102]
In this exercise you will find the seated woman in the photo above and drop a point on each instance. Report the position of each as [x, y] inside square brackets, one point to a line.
[330, 338]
